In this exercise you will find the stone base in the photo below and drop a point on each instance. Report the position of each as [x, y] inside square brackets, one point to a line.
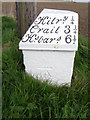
[54, 66]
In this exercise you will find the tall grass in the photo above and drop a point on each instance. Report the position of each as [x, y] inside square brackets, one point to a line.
[26, 97]
[9, 29]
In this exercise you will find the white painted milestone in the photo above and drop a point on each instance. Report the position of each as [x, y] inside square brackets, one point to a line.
[49, 46]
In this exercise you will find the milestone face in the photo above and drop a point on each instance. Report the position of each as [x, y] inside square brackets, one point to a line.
[53, 27]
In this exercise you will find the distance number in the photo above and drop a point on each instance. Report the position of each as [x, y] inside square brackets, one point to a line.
[68, 39]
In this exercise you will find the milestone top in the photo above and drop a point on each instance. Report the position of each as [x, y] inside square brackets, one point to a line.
[52, 30]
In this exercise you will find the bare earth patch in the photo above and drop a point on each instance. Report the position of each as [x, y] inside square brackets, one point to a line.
[6, 45]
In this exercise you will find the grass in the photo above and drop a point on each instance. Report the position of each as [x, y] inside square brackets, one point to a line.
[26, 97]
[9, 29]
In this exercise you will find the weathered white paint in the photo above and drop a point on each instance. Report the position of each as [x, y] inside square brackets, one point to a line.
[51, 61]
[55, 66]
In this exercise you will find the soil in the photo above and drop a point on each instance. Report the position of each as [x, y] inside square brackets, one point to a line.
[9, 9]
[6, 46]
